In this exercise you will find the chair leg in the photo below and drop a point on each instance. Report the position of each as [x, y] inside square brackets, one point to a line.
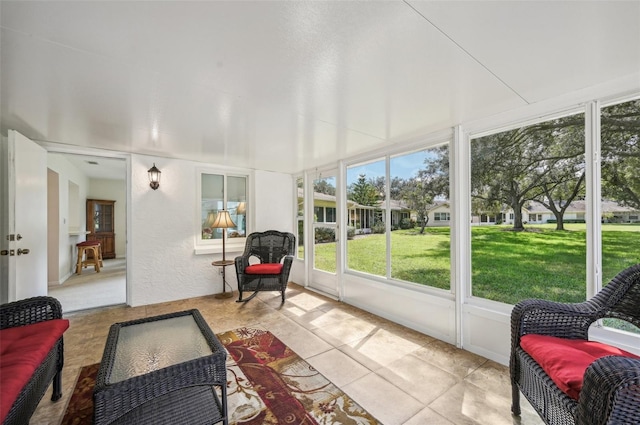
[79, 263]
[515, 400]
[57, 386]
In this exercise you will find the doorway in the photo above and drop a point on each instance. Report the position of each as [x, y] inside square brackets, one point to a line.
[325, 233]
[76, 183]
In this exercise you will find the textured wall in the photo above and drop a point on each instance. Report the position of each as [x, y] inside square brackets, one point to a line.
[162, 265]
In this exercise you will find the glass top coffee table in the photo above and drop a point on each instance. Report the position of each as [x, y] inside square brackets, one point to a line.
[167, 369]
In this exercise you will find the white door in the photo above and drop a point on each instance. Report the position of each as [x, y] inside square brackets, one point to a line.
[325, 234]
[27, 212]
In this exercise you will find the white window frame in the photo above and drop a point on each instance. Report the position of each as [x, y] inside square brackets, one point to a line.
[214, 246]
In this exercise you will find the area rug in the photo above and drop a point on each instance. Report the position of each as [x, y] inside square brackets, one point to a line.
[267, 383]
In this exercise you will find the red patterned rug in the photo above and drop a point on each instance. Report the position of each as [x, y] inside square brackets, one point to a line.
[267, 383]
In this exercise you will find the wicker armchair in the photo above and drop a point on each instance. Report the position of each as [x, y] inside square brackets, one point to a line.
[27, 312]
[274, 250]
[610, 391]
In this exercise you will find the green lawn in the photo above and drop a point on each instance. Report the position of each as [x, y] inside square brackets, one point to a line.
[506, 266]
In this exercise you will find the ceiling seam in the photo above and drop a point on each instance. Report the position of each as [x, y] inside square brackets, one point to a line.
[466, 51]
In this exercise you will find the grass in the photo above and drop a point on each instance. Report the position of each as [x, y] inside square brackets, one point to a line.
[507, 266]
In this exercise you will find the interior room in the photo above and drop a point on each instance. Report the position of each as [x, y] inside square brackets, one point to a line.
[386, 136]
[77, 187]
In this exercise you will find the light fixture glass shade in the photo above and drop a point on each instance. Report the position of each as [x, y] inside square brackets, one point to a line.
[223, 220]
[154, 177]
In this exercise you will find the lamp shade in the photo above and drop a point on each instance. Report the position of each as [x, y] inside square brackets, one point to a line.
[242, 208]
[223, 220]
[211, 218]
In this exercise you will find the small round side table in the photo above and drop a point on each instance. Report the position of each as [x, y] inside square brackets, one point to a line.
[223, 264]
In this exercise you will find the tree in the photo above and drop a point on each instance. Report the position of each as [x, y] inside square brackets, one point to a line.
[324, 186]
[363, 192]
[430, 184]
[620, 158]
[503, 171]
[543, 162]
[564, 165]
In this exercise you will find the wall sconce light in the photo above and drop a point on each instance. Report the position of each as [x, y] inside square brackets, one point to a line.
[154, 177]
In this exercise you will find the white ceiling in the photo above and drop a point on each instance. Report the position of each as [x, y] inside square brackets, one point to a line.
[286, 85]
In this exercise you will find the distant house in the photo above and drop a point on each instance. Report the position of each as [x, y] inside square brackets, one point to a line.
[536, 213]
[363, 217]
[612, 212]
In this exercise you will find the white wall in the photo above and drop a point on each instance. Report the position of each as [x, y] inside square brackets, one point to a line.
[113, 190]
[162, 264]
[275, 210]
[67, 248]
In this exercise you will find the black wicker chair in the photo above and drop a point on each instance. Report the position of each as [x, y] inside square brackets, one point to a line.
[26, 312]
[274, 250]
[611, 387]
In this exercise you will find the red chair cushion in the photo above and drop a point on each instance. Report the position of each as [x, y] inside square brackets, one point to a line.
[88, 243]
[22, 350]
[567, 360]
[266, 268]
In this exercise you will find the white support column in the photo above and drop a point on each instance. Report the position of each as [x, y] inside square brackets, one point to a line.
[593, 198]
[461, 228]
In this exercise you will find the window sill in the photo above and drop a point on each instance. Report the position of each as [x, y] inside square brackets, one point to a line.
[231, 248]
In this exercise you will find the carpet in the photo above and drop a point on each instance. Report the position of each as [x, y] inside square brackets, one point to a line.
[267, 383]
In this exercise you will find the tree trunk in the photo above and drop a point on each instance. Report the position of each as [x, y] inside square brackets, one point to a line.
[424, 220]
[559, 220]
[517, 220]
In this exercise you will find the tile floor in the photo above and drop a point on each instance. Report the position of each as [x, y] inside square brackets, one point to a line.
[399, 375]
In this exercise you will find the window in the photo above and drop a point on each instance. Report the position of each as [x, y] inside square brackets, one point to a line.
[416, 184]
[319, 214]
[420, 250]
[440, 216]
[620, 186]
[365, 199]
[541, 164]
[330, 214]
[222, 192]
[300, 216]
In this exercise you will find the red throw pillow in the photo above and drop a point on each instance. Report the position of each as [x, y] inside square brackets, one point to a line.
[567, 360]
[266, 268]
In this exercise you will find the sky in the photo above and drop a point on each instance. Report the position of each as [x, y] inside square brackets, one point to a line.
[404, 166]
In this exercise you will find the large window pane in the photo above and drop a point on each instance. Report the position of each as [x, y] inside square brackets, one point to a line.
[237, 205]
[536, 171]
[620, 174]
[420, 237]
[324, 236]
[213, 187]
[212, 201]
[300, 216]
[366, 245]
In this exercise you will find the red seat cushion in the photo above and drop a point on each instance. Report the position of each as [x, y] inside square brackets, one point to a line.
[88, 243]
[22, 350]
[567, 360]
[266, 268]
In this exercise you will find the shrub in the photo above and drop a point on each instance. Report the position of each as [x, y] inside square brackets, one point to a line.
[351, 232]
[407, 223]
[378, 227]
[324, 234]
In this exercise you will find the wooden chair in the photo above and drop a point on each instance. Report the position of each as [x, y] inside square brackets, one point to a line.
[556, 334]
[274, 253]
